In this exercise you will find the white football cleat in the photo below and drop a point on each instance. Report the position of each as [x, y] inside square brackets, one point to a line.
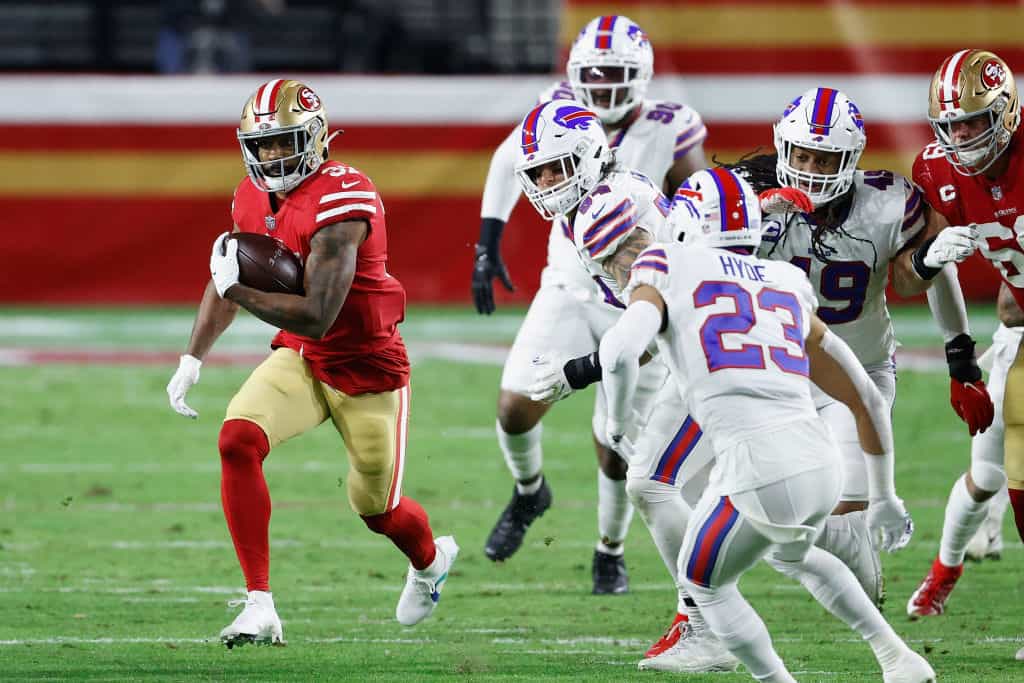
[987, 542]
[909, 668]
[1020, 655]
[423, 587]
[258, 623]
[697, 650]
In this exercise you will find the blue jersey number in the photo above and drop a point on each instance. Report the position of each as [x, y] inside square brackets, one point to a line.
[841, 282]
[742, 320]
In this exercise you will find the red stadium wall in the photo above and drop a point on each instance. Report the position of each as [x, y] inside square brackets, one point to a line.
[119, 185]
[117, 218]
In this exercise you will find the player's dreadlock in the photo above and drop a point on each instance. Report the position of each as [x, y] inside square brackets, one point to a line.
[759, 171]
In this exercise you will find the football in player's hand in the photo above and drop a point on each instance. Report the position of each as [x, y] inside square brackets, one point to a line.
[266, 264]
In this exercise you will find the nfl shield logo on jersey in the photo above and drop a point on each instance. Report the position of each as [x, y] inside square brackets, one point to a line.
[270, 222]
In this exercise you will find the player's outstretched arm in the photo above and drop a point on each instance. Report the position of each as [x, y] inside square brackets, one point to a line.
[836, 370]
[967, 392]
[916, 266]
[621, 349]
[329, 271]
[501, 192]
[213, 317]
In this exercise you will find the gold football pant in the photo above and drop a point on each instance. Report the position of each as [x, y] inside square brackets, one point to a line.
[284, 399]
[1013, 415]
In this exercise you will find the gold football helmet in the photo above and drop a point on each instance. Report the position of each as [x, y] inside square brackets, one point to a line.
[283, 108]
[970, 84]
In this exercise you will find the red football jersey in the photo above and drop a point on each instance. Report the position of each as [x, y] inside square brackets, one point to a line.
[363, 351]
[997, 207]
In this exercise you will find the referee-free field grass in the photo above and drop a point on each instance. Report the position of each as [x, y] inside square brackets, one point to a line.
[115, 562]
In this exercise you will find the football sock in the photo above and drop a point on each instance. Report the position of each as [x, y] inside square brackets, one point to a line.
[408, 527]
[522, 452]
[834, 586]
[614, 513]
[665, 514]
[997, 505]
[531, 488]
[688, 608]
[246, 500]
[1017, 501]
[963, 517]
[741, 630]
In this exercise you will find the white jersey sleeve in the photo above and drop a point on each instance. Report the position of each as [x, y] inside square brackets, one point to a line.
[624, 200]
[651, 269]
[662, 133]
[913, 215]
[501, 189]
[690, 131]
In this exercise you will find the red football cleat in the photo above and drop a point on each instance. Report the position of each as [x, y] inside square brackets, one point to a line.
[671, 637]
[929, 600]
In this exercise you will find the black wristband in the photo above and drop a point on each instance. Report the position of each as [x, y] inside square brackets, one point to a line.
[490, 234]
[917, 260]
[960, 357]
[583, 371]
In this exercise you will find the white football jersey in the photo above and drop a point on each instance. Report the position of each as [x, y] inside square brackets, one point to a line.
[661, 133]
[734, 342]
[624, 199]
[886, 213]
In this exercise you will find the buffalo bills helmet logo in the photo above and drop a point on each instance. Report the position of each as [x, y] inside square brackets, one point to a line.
[636, 34]
[790, 107]
[993, 75]
[858, 120]
[574, 117]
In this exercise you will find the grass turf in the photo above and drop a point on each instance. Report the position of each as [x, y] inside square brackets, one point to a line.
[115, 563]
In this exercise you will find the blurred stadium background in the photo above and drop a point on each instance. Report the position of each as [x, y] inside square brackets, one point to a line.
[118, 158]
[101, 152]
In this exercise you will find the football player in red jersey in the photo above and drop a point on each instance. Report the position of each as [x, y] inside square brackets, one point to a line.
[338, 356]
[972, 175]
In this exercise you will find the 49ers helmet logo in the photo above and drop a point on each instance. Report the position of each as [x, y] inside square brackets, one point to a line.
[308, 100]
[993, 75]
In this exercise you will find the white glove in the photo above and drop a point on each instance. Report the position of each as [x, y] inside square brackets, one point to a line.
[184, 377]
[620, 436]
[224, 263]
[549, 381]
[952, 245]
[889, 520]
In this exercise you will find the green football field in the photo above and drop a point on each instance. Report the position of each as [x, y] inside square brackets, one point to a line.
[115, 562]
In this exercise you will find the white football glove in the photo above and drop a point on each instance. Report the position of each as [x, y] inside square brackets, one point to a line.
[620, 436]
[224, 263]
[549, 382]
[889, 520]
[952, 245]
[184, 377]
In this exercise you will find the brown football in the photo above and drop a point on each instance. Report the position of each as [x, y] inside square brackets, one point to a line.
[266, 264]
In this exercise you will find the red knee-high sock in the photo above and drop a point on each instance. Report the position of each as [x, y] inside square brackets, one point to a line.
[1017, 501]
[246, 500]
[408, 527]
